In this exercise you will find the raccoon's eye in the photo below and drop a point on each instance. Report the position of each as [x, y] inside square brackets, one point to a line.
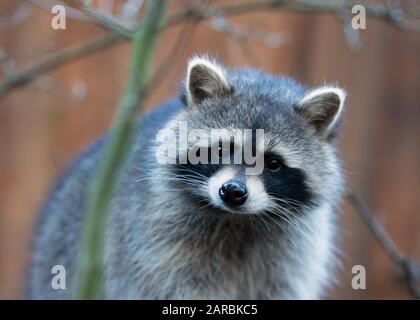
[274, 163]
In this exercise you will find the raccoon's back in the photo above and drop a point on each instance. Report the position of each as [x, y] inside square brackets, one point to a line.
[57, 231]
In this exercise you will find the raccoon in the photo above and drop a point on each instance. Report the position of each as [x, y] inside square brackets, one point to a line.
[210, 230]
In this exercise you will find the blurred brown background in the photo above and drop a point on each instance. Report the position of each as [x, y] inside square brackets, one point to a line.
[43, 125]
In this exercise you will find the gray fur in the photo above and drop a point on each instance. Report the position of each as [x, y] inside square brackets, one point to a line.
[161, 244]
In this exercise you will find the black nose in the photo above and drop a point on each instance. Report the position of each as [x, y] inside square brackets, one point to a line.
[233, 192]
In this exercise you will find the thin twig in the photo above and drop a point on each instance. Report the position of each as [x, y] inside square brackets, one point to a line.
[71, 13]
[89, 269]
[378, 11]
[110, 22]
[410, 267]
[18, 16]
[6, 63]
[27, 74]
[165, 67]
[374, 10]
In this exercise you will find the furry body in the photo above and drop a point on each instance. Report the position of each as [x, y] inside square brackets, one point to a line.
[162, 243]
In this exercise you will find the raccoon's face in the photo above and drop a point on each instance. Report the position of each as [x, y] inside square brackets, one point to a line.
[289, 165]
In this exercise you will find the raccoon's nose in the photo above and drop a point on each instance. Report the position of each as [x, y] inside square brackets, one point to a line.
[233, 192]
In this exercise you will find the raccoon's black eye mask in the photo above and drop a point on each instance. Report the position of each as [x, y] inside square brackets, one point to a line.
[286, 186]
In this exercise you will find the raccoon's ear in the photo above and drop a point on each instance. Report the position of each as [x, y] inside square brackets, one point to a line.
[205, 79]
[322, 107]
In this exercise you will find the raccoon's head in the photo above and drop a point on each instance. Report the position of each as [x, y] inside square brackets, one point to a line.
[294, 164]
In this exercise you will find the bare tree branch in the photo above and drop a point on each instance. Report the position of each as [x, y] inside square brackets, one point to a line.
[108, 21]
[6, 63]
[89, 265]
[410, 268]
[165, 67]
[27, 74]
[71, 13]
[17, 17]
[220, 22]
[351, 35]
[393, 15]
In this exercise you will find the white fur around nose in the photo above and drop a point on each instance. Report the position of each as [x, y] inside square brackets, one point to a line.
[257, 196]
[257, 200]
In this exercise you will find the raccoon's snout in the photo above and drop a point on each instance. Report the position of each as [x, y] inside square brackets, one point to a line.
[233, 192]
